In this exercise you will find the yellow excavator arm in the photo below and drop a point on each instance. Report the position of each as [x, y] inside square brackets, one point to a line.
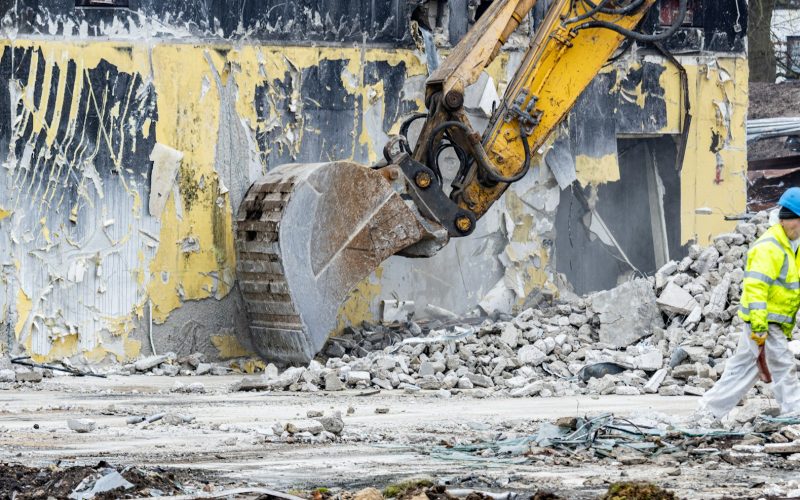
[563, 58]
[308, 233]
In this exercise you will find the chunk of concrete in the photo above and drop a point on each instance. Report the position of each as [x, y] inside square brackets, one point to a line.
[531, 389]
[304, 425]
[332, 423]
[684, 371]
[649, 361]
[676, 300]
[81, 425]
[333, 382]
[149, 362]
[531, 355]
[627, 313]
[719, 299]
[480, 380]
[288, 377]
[354, 377]
[510, 335]
[652, 385]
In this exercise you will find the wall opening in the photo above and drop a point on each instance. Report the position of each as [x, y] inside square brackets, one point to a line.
[609, 233]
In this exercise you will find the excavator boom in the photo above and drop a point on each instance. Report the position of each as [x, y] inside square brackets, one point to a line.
[308, 233]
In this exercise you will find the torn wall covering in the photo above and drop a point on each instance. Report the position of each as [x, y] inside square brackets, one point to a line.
[103, 110]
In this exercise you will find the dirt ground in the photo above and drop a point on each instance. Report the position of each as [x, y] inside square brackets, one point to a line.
[229, 443]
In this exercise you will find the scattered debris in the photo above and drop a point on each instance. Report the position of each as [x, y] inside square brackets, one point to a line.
[81, 425]
[22, 360]
[683, 327]
[79, 482]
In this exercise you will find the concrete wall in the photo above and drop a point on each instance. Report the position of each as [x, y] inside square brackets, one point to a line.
[97, 106]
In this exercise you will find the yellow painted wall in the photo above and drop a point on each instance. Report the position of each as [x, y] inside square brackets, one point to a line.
[184, 77]
[188, 102]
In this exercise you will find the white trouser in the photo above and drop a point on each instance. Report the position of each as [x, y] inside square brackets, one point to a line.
[741, 374]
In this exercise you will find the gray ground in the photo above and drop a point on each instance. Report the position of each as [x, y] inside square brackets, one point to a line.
[230, 438]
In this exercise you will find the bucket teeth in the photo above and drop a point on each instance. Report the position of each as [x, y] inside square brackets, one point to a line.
[306, 234]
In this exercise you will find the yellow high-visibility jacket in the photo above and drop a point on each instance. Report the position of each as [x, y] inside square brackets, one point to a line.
[771, 288]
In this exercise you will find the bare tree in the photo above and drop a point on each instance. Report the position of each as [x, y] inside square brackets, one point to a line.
[761, 52]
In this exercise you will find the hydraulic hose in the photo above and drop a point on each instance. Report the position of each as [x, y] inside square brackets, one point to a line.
[676, 24]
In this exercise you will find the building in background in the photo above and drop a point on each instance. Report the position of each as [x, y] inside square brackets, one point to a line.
[130, 130]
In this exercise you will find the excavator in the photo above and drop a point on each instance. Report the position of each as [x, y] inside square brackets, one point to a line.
[307, 234]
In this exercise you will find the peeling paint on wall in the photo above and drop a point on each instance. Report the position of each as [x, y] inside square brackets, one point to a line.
[85, 145]
[99, 226]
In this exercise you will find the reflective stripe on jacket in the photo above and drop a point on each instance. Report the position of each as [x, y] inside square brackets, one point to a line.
[771, 288]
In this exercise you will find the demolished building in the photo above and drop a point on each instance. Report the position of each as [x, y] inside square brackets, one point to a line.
[131, 130]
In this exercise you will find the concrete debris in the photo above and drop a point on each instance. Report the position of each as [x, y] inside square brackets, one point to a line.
[440, 312]
[150, 362]
[305, 425]
[332, 423]
[669, 335]
[675, 299]
[627, 313]
[81, 425]
[177, 419]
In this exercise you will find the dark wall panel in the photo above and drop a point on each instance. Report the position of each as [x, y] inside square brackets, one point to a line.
[299, 21]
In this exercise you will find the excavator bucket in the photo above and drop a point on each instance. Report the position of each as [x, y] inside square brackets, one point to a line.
[306, 235]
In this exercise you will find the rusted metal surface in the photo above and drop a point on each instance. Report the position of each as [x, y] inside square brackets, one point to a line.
[306, 235]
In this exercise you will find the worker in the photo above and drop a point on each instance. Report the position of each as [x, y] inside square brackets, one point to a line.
[770, 299]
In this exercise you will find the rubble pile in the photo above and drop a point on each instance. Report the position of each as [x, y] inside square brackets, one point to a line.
[669, 334]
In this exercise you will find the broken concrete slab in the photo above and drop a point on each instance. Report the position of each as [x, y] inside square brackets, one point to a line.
[655, 381]
[355, 377]
[252, 384]
[782, 448]
[676, 300]
[479, 380]
[627, 313]
[718, 299]
[649, 361]
[81, 425]
[304, 425]
[149, 362]
[332, 423]
[333, 382]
